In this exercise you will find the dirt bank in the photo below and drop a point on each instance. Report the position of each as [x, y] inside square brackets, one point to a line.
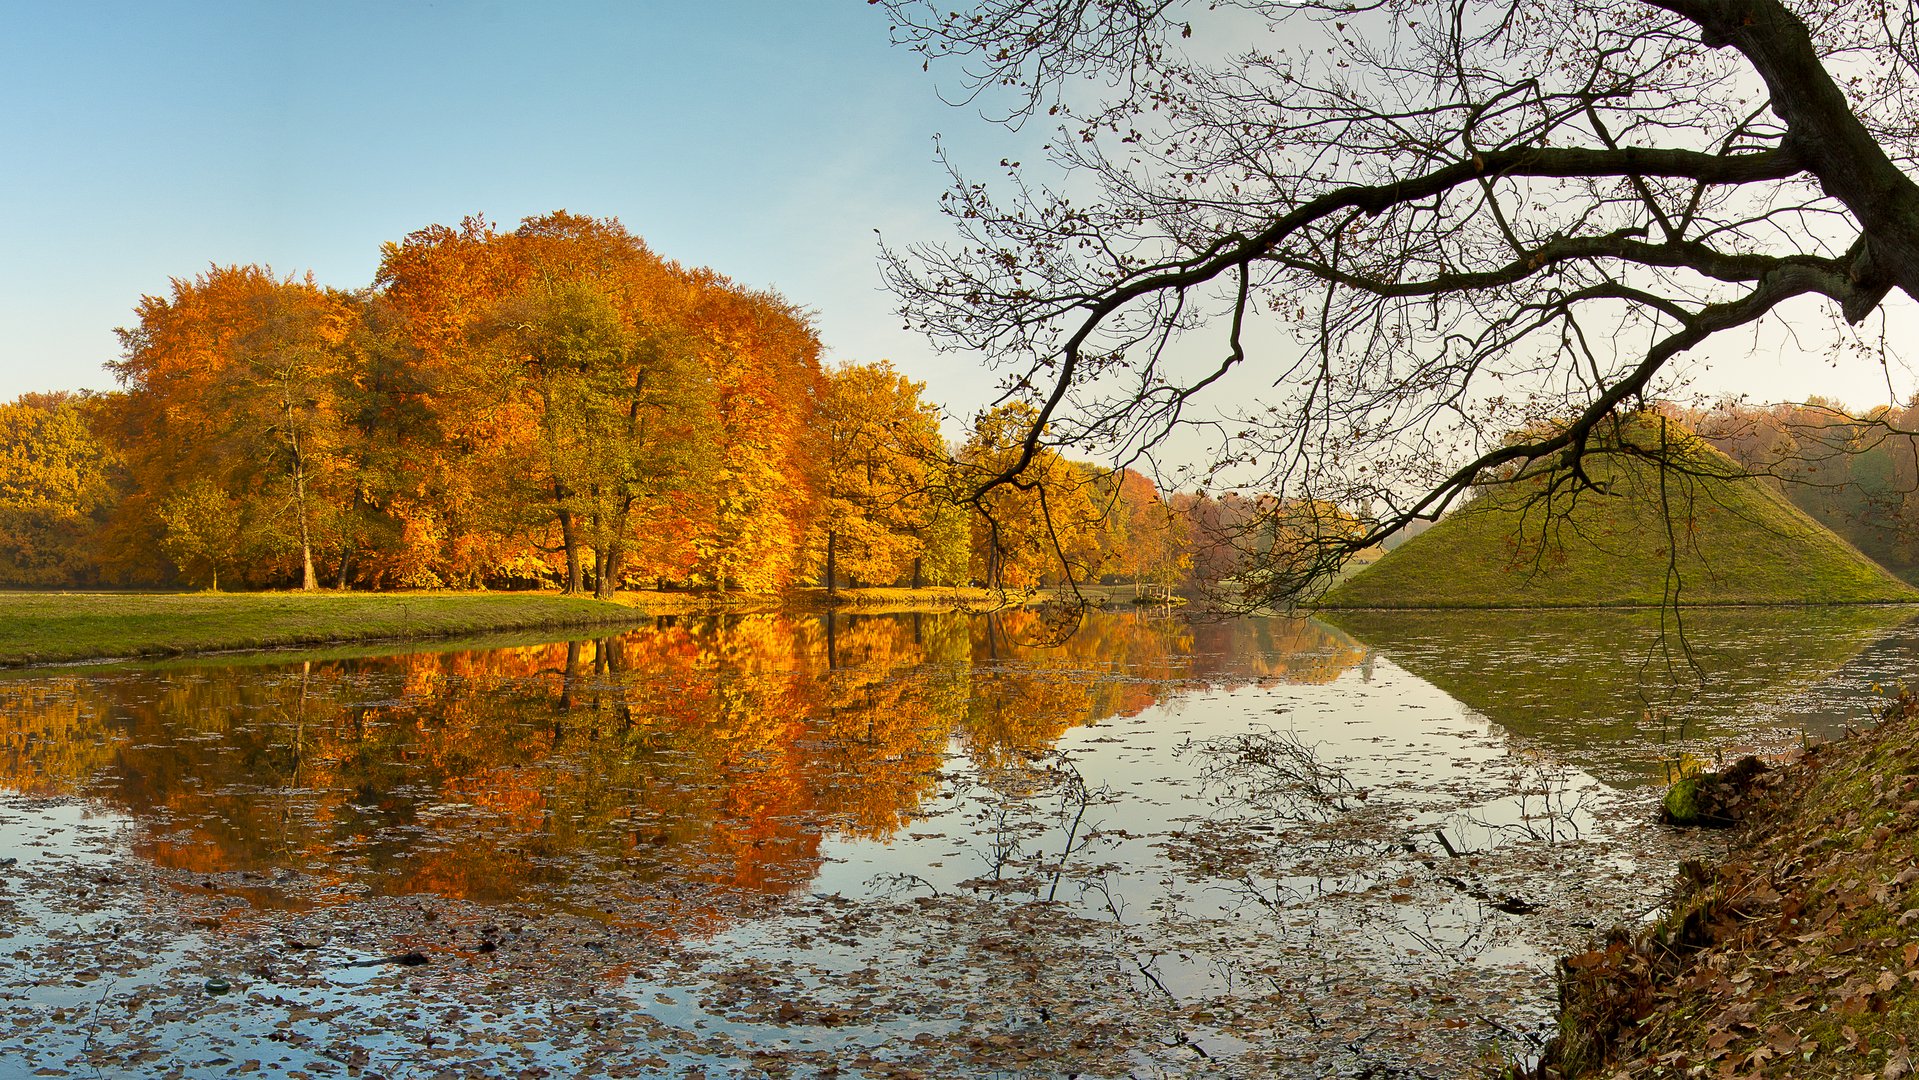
[1796, 956]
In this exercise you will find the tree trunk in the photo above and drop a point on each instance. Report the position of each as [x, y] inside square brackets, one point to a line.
[608, 572]
[918, 568]
[832, 565]
[570, 539]
[309, 581]
[1839, 149]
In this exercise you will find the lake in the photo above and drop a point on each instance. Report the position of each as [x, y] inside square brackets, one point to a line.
[889, 845]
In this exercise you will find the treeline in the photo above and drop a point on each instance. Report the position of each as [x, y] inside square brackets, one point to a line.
[1857, 474]
[554, 405]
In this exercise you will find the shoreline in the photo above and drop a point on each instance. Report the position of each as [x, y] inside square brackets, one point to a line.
[1795, 955]
[46, 628]
[83, 627]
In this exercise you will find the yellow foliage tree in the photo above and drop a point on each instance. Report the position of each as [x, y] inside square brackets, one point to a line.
[882, 444]
[56, 485]
[1042, 523]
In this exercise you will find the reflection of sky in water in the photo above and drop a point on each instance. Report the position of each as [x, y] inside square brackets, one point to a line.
[1254, 838]
[1832, 705]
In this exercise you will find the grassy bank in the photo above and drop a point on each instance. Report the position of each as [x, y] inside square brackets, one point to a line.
[1798, 956]
[40, 627]
[51, 627]
[1698, 533]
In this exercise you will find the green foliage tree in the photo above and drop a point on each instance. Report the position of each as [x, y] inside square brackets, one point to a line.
[203, 530]
[946, 533]
[625, 415]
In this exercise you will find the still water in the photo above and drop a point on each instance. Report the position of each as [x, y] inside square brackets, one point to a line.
[884, 845]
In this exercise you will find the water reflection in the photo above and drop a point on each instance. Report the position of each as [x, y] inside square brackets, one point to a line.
[1156, 845]
[680, 769]
[1625, 693]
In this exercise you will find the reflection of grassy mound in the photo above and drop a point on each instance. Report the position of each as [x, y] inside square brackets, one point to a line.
[1692, 531]
[1598, 687]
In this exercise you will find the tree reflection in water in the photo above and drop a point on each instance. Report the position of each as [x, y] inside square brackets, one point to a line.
[675, 773]
[862, 831]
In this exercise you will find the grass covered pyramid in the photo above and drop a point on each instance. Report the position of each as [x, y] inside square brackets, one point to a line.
[1665, 518]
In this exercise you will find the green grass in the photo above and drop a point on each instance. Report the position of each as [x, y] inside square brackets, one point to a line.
[53, 627]
[1696, 534]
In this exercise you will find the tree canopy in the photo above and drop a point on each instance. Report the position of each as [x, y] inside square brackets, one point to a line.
[1471, 217]
[554, 405]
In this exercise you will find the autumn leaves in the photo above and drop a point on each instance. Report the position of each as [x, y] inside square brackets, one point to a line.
[554, 403]
[551, 405]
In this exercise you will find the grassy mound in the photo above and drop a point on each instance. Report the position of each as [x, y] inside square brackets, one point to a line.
[1691, 531]
[49, 627]
[1796, 957]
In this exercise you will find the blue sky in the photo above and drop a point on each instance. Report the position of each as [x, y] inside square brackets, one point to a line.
[146, 141]
[765, 139]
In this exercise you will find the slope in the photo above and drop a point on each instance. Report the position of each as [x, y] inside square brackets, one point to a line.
[1690, 530]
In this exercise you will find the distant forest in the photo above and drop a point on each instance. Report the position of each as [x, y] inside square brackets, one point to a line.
[552, 406]
[1856, 474]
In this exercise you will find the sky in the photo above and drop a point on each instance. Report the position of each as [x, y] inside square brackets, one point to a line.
[148, 141]
[768, 140]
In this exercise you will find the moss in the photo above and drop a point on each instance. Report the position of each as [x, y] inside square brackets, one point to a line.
[1681, 804]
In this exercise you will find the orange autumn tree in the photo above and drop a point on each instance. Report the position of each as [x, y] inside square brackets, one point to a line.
[445, 444]
[618, 395]
[474, 496]
[1144, 540]
[502, 408]
[765, 359]
[233, 390]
